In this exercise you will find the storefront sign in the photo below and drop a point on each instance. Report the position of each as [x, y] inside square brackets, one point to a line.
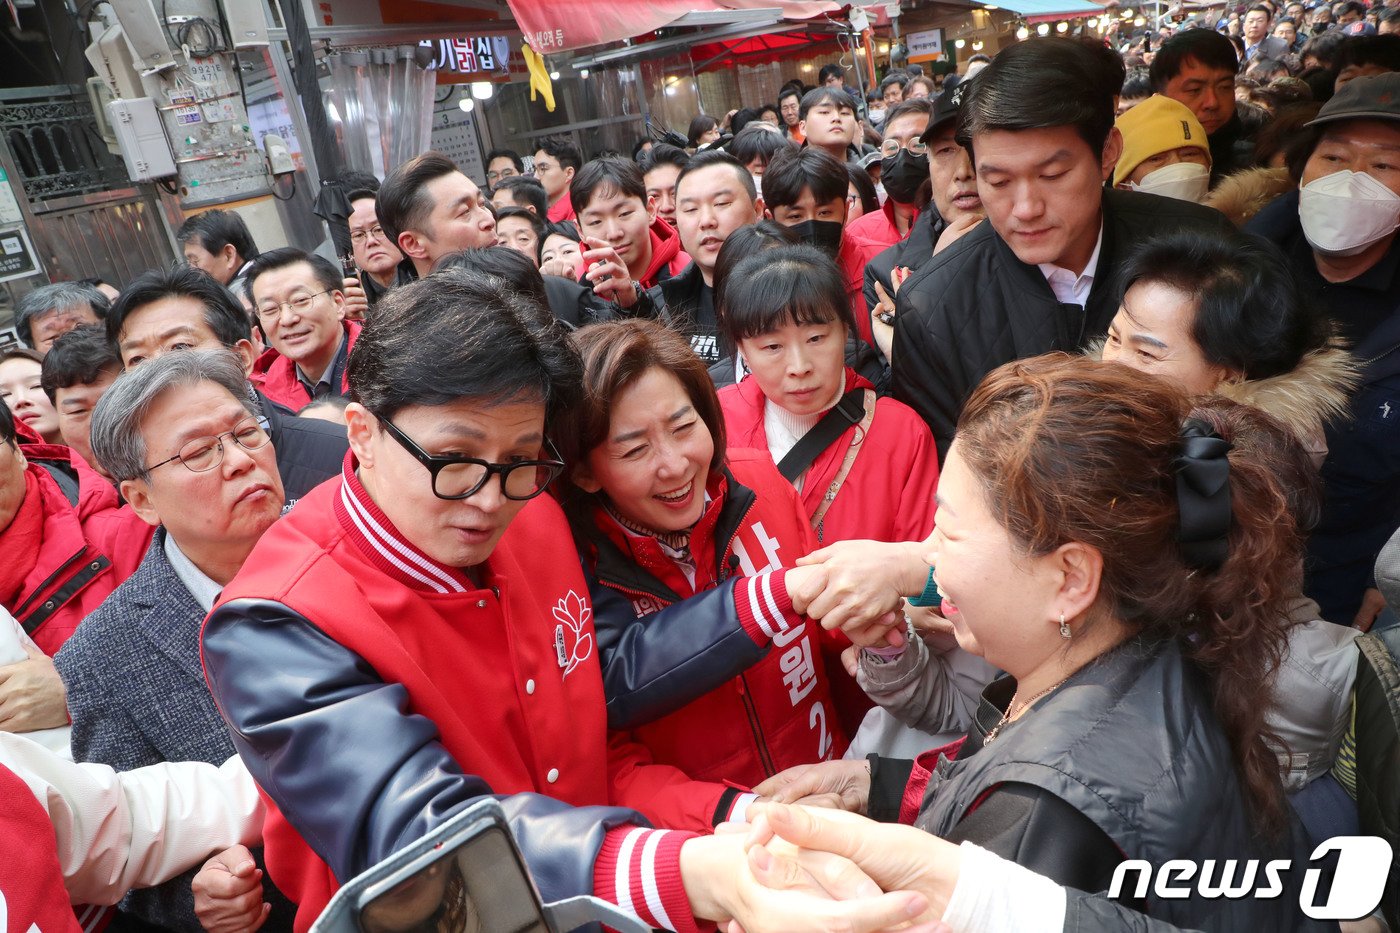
[470, 54]
[925, 46]
[16, 255]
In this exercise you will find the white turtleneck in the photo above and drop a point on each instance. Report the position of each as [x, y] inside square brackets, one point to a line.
[784, 429]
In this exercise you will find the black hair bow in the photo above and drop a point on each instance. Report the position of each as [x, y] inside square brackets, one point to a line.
[1203, 495]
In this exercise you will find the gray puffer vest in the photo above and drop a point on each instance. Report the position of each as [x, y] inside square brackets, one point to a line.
[1131, 742]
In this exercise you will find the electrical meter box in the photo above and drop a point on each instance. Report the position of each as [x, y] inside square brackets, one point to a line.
[144, 148]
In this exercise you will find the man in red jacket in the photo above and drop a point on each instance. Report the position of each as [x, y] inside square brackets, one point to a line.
[620, 225]
[299, 302]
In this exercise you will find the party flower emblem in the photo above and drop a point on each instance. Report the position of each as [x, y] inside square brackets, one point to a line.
[573, 643]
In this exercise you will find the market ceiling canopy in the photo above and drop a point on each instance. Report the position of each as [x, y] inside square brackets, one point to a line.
[553, 26]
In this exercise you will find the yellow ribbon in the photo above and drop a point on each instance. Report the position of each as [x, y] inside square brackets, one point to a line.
[539, 77]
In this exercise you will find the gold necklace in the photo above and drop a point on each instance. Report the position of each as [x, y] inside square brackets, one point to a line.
[1011, 709]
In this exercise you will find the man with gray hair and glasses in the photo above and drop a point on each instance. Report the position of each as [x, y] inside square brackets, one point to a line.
[49, 311]
[180, 436]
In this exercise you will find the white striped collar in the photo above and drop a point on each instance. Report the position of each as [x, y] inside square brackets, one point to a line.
[385, 545]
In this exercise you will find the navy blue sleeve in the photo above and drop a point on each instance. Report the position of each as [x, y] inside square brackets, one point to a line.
[356, 773]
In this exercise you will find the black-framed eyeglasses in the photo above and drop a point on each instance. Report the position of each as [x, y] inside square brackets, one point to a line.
[463, 477]
[202, 454]
[300, 305]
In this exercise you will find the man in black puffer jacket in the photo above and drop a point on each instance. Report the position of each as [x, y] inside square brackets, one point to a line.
[1038, 275]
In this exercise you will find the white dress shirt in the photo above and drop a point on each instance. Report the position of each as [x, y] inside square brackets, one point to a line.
[1071, 289]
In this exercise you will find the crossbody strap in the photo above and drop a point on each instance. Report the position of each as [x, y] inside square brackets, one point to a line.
[823, 434]
[841, 474]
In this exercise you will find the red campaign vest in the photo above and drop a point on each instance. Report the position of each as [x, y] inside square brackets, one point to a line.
[276, 376]
[779, 713]
[31, 881]
[888, 494]
[465, 658]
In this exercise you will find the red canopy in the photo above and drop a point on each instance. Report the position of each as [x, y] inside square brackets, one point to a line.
[756, 50]
[552, 26]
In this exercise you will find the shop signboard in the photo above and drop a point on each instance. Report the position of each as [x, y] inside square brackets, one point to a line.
[925, 46]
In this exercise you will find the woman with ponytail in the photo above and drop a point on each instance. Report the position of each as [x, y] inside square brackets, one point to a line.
[1131, 574]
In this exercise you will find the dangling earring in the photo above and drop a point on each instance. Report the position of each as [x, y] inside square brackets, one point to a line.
[1064, 628]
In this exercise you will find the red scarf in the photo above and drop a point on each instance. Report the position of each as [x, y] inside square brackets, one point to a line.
[21, 542]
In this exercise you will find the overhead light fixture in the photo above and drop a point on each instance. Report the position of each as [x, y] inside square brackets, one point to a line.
[977, 46]
[467, 104]
[1139, 21]
[1062, 27]
[1023, 34]
[1043, 29]
[960, 43]
[583, 73]
[482, 90]
[670, 90]
[989, 6]
[554, 76]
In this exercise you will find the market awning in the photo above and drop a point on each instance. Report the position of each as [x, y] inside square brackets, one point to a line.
[1036, 11]
[553, 26]
[756, 50]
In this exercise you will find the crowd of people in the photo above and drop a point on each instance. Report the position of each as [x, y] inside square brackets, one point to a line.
[858, 514]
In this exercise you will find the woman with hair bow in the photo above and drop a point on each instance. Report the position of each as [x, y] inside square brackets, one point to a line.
[1129, 571]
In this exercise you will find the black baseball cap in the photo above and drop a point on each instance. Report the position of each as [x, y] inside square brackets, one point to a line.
[946, 106]
[1376, 97]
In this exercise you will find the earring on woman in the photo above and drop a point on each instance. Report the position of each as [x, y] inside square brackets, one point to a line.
[1064, 628]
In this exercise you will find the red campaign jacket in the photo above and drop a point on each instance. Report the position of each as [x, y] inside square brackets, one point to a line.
[62, 560]
[888, 494]
[276, 376]
[561, 210]
[875, 232]
[667, 257]
[32, 895]
[779, 712]
[507, 673]
[852, 259]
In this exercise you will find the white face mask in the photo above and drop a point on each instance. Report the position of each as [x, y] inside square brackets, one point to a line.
[876, 117]
[1346, 212]
[1185, 181]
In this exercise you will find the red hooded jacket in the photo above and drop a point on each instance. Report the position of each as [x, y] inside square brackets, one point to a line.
[778, 713]
[276, 375]
[667, 257]
[62, 560]
[888, 493]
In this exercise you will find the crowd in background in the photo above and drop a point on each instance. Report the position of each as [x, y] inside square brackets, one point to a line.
[970, 487]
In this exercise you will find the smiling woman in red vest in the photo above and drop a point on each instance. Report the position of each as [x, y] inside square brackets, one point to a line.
[418, 633]
[729, 682]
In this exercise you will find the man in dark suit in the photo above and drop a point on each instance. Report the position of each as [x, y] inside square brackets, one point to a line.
[183, 309]
[181, 437]
[1037, 274]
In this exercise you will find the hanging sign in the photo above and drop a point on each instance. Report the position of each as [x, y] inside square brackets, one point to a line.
[925, 46]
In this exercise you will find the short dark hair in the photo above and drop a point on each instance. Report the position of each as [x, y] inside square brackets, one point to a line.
[1206, 46]
[1349, 6]
[639, 148]
[1251, 313]
[703, 160]
[562, 150]
[865, 188]
[699, 126]
[456, 335]
[403, 202]
[980, 58]
[525, 188]
[223, 314]
[837, 97]
[1259, 7]
[1137, 84]
[738, 246]
[789, 91]
[503, 263]
[664, 154]
[1036, 85]
[792, 170]
[742, 118]
[327, 273]
[564, 228]
[891, 79]
[1111, 65]
[78, 357]
[354, 181]
[213, 230]
[536, 221]
[830, 70]
[784, 285]
[919, 105]
[924, 80]
[1376, 51]
[56, 297]
[612, 172]
[768, 108]
[756, 142]
[1388, 14]
[511, 154]
[1325, 48]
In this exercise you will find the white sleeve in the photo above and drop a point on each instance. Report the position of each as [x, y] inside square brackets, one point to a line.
[996, 896]
[134, 829]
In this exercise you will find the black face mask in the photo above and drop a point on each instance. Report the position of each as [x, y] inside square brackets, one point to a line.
[902, 174]
[825, 235]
